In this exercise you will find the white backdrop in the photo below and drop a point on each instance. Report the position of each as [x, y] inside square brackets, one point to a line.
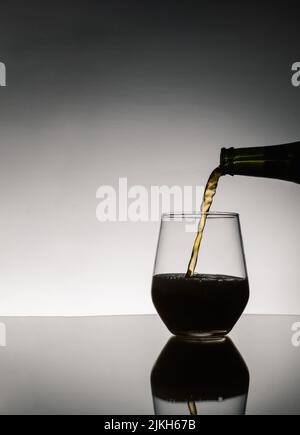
[57, 259]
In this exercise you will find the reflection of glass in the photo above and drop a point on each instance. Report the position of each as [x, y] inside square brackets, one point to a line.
[210, 302]
[199, 377]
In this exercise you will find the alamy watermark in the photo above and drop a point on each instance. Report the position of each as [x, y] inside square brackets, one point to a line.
[296, 336]
[137, 203]
[2, 335]
[2, 74]
[296, 74]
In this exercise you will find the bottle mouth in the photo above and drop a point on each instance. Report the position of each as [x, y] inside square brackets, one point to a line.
[226, 160]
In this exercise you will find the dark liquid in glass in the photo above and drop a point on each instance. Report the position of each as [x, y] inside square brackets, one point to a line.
[201, 305]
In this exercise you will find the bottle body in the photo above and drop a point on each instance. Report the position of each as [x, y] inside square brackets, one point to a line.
[276, 161]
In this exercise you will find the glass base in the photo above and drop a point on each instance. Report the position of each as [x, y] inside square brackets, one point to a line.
[201, 336]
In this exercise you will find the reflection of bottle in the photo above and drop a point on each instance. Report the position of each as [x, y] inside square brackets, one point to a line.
[277, 161]
[210, 377]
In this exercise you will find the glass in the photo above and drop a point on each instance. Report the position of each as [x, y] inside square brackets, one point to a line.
[208, 304]
[192, 377]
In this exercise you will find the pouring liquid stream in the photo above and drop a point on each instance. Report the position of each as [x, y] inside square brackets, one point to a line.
[192, 407]
[209, 193]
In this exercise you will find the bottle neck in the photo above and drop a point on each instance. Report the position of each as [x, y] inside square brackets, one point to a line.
[235, 161]
[276, 161]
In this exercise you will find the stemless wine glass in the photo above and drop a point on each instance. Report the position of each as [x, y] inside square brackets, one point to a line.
[208, 304]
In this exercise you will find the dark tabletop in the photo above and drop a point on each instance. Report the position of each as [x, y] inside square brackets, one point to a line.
[103, 365]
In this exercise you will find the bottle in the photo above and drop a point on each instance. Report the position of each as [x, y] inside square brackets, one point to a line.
[276, 161]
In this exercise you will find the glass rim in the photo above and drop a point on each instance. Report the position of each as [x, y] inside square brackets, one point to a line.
[189, 215]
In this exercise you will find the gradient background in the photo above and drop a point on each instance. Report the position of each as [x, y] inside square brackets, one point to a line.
[149, 90]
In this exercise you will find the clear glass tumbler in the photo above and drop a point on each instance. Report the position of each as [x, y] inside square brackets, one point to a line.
[208, 303]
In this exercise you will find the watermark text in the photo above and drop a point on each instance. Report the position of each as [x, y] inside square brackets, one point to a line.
[137, 203]
[296, 74]
[296, 336]
[2, 335]
[2, 74]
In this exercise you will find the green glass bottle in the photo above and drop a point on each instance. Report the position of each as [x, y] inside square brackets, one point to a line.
[276, 161]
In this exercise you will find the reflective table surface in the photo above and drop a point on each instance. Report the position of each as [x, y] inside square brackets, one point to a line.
[130, 365]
